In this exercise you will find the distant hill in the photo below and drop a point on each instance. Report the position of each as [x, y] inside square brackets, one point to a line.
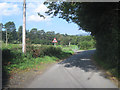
[83, 34]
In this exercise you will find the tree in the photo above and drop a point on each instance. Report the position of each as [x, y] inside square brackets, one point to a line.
[20, 33]
[1, 26]
[3, 32]
[86, 42]
[33, 31]
[33, 35]
[101, 19]
[41, 34]
[10, 32]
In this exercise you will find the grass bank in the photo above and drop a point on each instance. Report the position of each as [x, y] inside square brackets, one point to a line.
[14, 60]
[12, 56]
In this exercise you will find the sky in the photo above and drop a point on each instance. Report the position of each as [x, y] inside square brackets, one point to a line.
[13, 11]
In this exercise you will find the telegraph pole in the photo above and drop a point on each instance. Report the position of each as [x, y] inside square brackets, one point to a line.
[24, 28]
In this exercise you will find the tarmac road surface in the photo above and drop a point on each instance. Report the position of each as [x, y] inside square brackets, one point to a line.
[78, 71]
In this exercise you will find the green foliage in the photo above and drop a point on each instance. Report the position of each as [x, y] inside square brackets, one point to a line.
[101, 19]
[48, 50]
[69, 49]
[19, 33]
[11, 46]
[13, 58]
[86, 42]
[36, 36]
[84, 45]
[11, 31]
[108, 66]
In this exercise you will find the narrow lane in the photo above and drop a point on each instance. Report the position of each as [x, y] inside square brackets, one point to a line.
[78, 71]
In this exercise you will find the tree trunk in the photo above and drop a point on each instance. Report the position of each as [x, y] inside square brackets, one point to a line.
[6, 37]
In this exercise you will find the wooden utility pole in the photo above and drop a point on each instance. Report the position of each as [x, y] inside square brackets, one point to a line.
[24, 28]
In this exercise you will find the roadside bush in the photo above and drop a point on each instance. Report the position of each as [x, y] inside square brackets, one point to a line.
[86, 42]
[86, 45]
[13, 59]
[11, 56]
[15, 55]
[38, 52]
[45, 51]
[52, 51]
[7, 55]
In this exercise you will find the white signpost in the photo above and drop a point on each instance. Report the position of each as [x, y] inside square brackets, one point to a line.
[54, 41]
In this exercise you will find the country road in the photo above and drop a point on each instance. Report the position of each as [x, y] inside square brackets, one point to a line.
[78, 71]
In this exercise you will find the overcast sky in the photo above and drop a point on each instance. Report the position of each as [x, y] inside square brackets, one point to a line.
[12, 10]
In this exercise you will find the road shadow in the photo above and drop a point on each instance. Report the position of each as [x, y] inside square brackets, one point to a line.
[80, 59]
[83, 61]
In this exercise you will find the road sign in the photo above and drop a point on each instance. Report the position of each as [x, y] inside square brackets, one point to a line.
[54, 40]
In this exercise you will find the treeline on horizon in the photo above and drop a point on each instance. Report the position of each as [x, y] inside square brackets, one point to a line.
[35, 36]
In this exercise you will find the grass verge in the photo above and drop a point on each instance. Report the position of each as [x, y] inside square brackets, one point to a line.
[109, 68]
[13, 58]
[14, 61]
